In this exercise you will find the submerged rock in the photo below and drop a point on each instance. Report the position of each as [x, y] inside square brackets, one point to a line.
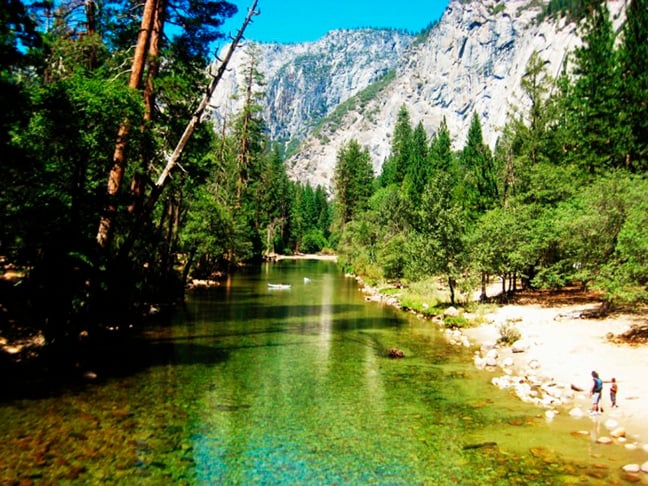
[576, 412]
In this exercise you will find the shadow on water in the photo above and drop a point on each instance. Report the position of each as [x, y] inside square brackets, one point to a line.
[157, 346]
[53, 374]
[249, 311]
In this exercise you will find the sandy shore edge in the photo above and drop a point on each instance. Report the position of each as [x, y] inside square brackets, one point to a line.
[560, 350]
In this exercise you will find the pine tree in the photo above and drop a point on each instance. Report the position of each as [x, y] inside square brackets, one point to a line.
[532, 128]
[634, 85]
[396, 166]
[353, 180]
[418, 169]
[479, 189]
[275, 203]
[441, 156]
[596, 102]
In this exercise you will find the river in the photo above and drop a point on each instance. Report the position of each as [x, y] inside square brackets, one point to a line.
[255, 385]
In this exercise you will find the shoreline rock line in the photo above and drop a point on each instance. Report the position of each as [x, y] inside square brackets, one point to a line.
[549, 360]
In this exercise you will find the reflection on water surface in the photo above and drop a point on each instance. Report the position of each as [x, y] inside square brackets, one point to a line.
[251, 385]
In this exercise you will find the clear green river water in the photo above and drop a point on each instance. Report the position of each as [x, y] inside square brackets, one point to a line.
[252, 385]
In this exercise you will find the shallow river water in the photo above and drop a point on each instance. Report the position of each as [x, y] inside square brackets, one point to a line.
[252, 385]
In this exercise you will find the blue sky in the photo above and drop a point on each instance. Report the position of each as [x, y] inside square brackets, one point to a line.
[289, 21]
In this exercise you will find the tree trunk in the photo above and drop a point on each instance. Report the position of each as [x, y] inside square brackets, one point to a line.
[483, 296]
[104, 234]
[138, 182]
[172, 163]
[91, 29]
[244, 150]
[174, 158]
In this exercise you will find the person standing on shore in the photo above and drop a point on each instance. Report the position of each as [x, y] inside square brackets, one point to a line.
[595, 393]
[613, 392]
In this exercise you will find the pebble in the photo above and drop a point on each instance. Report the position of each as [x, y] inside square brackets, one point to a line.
[576, 412]
[532, 386]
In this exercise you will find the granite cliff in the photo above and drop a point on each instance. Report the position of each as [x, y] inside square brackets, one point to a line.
[351, 84]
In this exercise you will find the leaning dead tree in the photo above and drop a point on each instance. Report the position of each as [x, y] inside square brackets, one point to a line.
[105, 230]
[174, 158]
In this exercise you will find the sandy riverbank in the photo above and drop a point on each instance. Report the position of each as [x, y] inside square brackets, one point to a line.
[560, 351]
[566, 349]
[326, 258]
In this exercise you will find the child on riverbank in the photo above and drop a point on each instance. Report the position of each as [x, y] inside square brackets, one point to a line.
[613, 392]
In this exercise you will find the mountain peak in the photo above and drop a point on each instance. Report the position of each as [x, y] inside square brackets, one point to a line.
[350, 84]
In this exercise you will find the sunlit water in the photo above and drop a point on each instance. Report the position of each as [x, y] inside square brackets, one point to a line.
[251, 385]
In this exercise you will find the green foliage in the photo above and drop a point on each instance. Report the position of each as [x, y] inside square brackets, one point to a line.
[563, 199]
[356, 103]
[478, 190]
[309, 213]
[441, 156]
[65, 146]
[418, 166]
[396, 167]
[209, 229]
[457, 322]
[574, 10]
[594, 101]
[353, 181]
[633, 57]
[557, 202]
[437, 243]
[497, 9]
[313, 241]
[508, 333]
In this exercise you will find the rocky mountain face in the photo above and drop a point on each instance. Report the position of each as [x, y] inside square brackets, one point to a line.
[305, 82]
[472, 61]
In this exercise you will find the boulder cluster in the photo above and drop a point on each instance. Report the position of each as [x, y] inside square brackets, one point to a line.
[525, 378]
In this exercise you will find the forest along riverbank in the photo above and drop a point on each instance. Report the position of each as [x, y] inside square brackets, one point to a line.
[550, 364]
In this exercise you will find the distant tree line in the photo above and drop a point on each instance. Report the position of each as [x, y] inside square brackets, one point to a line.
[95, 96]
[562, 198]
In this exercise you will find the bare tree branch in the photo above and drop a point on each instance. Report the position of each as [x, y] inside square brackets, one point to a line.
[195, 118]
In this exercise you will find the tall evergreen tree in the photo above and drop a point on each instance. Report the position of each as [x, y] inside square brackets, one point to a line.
[479, 188]
[418, 169]
[441, 157]
[396, 166]
[634, 85]
[532, 129]
[353, 180]
[596, 106]
[275, 203]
